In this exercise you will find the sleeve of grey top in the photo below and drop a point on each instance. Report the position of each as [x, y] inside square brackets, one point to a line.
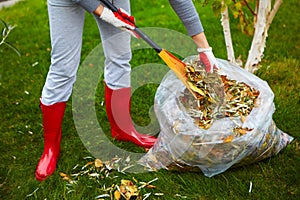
[89, 5]
[187, 13]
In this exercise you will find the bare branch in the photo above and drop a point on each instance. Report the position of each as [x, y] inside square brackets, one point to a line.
[273, 13]
[249, 7]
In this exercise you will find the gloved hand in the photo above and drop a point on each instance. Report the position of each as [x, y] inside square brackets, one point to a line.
[120, 19]
[208, 59]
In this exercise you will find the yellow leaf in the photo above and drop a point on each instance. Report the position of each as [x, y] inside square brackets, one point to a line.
[62, 174]
[126, 182]
[151, 186]
[195, 89]
[98, 163]
[238, 5]
[191, 69]
[243, 118]
[228, 139]
[235, 14]
[123, 189]
[242, 131]
[117, 195]
[87, 164]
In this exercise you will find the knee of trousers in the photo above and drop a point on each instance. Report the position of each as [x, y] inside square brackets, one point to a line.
[59, 82]
[117, 73]
[118, 54]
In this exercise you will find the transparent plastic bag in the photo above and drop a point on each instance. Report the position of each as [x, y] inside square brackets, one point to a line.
[182, 143]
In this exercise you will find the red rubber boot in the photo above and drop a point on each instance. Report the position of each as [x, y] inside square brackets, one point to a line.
[52, 120]
[118, 112]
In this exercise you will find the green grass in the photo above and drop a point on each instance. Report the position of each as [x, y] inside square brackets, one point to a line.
[22, 78]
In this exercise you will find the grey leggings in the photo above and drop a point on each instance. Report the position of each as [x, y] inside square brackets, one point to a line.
[66, 30]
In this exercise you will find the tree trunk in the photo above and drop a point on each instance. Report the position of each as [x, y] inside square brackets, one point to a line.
[227, 35]
[260, 34]
[265, 17]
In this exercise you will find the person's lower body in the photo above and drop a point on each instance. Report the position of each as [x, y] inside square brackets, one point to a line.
[66, 27]
[117, 50]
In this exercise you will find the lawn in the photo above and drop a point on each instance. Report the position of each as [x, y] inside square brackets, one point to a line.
[22, 78]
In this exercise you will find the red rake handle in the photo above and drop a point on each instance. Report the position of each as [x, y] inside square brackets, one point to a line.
[140, 33]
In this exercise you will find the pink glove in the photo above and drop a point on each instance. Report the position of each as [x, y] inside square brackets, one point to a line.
[120, 19]
[208, 59]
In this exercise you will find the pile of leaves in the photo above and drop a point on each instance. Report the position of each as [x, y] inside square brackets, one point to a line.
[217, 96]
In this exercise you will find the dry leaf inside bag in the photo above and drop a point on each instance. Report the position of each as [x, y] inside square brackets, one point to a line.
[218, 96]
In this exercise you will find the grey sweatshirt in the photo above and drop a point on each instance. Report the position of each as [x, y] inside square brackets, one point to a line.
[185, 10]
